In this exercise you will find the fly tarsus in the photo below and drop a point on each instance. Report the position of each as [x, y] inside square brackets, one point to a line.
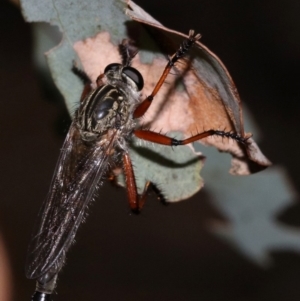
[81, 74]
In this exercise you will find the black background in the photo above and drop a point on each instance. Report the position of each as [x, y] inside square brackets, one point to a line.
[166, 253]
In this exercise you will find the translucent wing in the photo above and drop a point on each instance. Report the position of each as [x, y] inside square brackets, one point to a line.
[79, 169]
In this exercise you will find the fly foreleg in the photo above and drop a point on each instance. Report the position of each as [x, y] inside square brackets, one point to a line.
[183, 49]
[85, 79]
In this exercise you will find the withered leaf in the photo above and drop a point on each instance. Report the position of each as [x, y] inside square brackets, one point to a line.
[208, 98]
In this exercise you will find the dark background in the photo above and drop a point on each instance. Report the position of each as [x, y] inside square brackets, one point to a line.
[166, 253]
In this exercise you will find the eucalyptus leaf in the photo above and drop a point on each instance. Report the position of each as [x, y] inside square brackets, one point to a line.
[81, 21]
[77, 20]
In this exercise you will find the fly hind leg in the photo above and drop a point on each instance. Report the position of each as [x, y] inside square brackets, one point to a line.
[136, 202]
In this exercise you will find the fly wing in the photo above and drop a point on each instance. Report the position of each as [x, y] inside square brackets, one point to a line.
[78, 172]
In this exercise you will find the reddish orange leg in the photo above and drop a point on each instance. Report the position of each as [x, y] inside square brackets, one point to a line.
[183, 49]
[136, 202]
[165, 140]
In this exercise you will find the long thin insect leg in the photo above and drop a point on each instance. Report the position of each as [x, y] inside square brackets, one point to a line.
[183, 49]
[136, 202]
[159, 194]
[81, 74]
[165, 140]
[85, 79]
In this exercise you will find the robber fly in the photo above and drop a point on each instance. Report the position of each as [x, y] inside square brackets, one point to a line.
[103, 125]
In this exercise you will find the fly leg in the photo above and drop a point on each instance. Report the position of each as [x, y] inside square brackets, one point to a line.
[183, 49]
[136, 202]
[85, 79]
[165, 140]
[160, 197]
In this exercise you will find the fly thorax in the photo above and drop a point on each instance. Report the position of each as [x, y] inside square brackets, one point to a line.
[105, 108]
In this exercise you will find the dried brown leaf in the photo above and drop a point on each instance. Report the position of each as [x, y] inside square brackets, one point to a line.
[207, 100]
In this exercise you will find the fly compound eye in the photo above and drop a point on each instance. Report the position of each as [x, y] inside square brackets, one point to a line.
[112, 67]
[103, 108]
[135, 76]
